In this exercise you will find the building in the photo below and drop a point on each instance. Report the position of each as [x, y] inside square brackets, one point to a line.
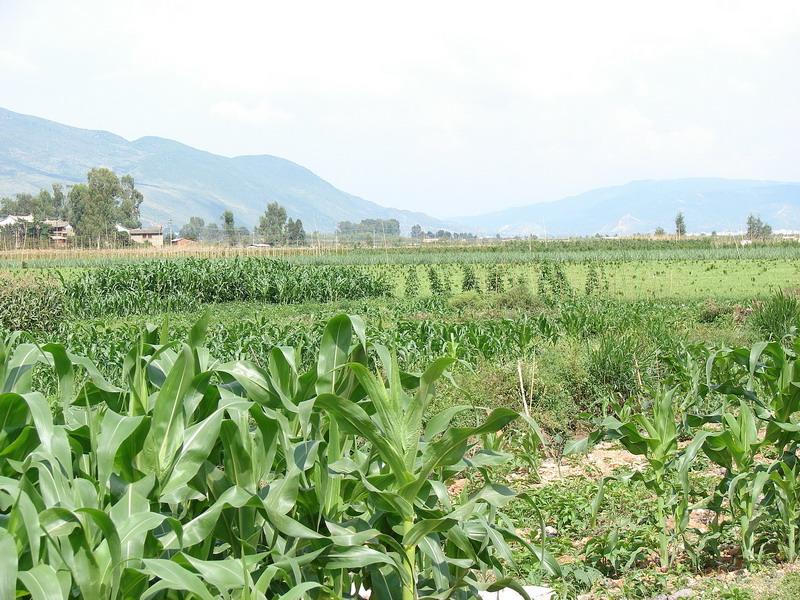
[15, 220]
[60, 231]
[148, 235]
[182, 241]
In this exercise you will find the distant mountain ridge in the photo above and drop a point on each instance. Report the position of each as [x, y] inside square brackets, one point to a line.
[709, 204]
[179, 181]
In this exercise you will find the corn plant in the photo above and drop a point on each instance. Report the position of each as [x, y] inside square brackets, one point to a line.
[209, 479]
[469, 281]
[653, 436]
[186, 284]
[785, 477]
[412, 282]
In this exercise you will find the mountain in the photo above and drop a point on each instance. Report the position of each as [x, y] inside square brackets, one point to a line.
[641, 206]
[179, 181]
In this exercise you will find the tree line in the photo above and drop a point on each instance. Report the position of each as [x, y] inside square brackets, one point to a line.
[274, 227]
[94, 209]
[441, 234]
[756, 228]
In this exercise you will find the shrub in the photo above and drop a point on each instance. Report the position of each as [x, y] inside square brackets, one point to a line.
[466, 301]
[517, 297]
[711, 311]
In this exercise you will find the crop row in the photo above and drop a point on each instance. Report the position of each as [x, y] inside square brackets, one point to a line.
[43, 302]
[208, 479]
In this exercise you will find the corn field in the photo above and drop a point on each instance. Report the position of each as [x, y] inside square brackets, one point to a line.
[207, 479]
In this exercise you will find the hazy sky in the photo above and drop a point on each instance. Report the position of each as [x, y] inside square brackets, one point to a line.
[448, 107]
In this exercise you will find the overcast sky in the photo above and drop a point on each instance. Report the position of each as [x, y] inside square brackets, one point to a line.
[452, 108]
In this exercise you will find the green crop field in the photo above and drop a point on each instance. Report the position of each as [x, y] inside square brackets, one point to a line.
[609, 419]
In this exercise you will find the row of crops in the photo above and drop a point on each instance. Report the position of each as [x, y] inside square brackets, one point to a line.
[608, 330]
[578, 250]
[174, 285]
[43, 301]
[721, 442]
[279, 449]
[230, 480]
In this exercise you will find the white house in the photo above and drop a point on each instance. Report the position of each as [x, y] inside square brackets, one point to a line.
[15, 219]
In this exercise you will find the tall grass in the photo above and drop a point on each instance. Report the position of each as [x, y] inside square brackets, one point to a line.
[778, 316]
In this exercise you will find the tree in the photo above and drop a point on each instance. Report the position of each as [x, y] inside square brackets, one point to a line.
[757, 229]
[272, 225]
[211, 233]
[193, 229]
[660, 231]
[416, 231]
[228, 227]
[680, 225]
[367, 228]
[59, 200]
[295, 234]
[42, 206]
[95, 207]
[129, 203]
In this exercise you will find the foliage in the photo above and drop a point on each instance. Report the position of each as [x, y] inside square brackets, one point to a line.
[757, 229]
[469, 281]
[32, 303]
[190, 283]
[295, 234]
[204, 479]
[494, 279]
[553, 283]
[44, 205]
[375, 228]
[777, 317]
[680, 225]
[274, 228]
[96, 207]
[412, 282]
[229, 227]
[193, 229]
[438, 286]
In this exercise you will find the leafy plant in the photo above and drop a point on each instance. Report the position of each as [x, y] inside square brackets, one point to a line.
[207, 479]
[412, 282]
[469, 281]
